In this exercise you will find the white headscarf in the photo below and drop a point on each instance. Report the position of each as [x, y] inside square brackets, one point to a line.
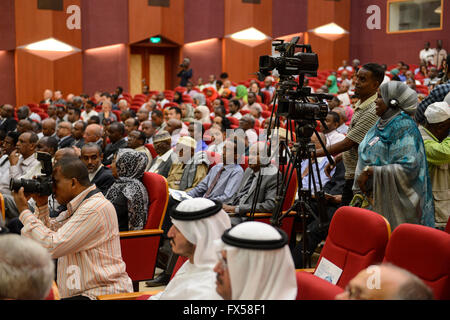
[205, 114]
[202, 232]
[257, 274]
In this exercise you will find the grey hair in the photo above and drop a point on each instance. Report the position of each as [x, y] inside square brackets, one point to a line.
[26, 269]
[413, 288]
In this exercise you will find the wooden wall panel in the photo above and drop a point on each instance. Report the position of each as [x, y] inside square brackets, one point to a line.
[321, 12]
[104, 22]
[239, 16]
[289, 17]
[135, 74]
[68, 74]
[60, 30]
[203, 19]
[240, 61]
[32, 24]
[378, 46]
[144, 21]
[206, 58]
[7, 25]
[106, 68]
[7, 78]
[33, 76]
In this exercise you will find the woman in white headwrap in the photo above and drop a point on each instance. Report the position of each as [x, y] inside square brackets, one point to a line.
[258, 265]
[201, 113]
[392, 167]
[197, 223]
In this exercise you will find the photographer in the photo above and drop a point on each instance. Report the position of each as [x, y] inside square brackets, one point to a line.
[185, 74]
[84, 239]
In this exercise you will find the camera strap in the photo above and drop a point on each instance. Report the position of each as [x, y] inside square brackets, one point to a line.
[90, 194]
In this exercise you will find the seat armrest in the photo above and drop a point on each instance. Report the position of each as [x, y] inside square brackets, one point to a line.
[140, 233]
[309, 270]
[127, 296]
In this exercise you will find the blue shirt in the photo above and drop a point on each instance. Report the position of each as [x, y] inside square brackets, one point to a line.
[322, 162]
[226, 186]
[436, 95]
[201, 146]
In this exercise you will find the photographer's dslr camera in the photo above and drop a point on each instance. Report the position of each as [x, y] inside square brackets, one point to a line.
[43, 184]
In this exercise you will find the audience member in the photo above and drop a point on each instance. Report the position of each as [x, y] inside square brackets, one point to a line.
[163, 162]
[101, 176]
[78, 129]
[49, 128]
[197, 132]
[251, 98]
[247, 124]
[235, 108]
[8, 122]
[128, 195]
[64, 133]
[248, 255]
[440, 56]
[89, 110]
[331, 134]
[48, 94]
[197, 223]
[437, 149]
[201, 113]
[190, 167]
[26, 267]
[242, 201]
[395, 284]
[115, 133]
[84, 239]
[8, 147]
[136, 141]
[106, 112]
[370, 76]
[392, 157]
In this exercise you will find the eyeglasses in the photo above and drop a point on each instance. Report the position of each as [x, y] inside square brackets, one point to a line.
[222, 261]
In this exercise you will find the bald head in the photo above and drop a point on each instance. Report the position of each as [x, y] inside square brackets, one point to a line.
[7, 111]
[341, 113]
[24, 125]
[65, 152]
[173, 124]
[93, 133]
[386, 282]
[48, 127]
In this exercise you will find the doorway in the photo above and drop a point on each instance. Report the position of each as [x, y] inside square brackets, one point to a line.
[153, 65]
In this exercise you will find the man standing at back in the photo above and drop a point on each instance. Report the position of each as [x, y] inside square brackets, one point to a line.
[369, 78]
[84, 239]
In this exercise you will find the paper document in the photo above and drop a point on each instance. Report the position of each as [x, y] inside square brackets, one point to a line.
[328, 271]
[179, 195]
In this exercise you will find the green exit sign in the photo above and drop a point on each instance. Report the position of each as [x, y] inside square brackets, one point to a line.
[155, 39]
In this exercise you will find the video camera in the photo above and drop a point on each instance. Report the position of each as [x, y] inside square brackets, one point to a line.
[295, 101]
[43, 184]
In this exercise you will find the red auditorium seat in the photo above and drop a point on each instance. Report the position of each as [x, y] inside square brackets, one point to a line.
[311, 287]
[117, 113]
[356, 239]
[233, 121]
[425, 252]
[140, 248]
[267, 97]
[447, 227]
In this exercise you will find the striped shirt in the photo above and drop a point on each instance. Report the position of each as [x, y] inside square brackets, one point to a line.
[363, 119]
[85, 240]
[436, 95]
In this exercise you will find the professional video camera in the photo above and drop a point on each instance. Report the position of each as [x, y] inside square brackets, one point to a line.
[302, 109]
[43, 184]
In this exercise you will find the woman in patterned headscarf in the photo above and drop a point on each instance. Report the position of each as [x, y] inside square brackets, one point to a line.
[128, 194]
[392, 166]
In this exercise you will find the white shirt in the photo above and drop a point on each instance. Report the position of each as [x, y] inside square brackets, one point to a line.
[4, 175]
[35, 116]
[345, 99]
[159, 160]
[334, 137]
[145, 151]
[427, 55]
[237, 115]
[86, 116]
[25, 166]
[217, 148]
[92, 175]
[191, 283]
[252, 136]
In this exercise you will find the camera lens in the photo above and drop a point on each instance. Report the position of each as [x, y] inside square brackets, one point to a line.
[29, 186]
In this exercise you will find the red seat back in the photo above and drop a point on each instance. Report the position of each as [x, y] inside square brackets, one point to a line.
[310, 287]
[447, 227]
[158, 197]
[356, 239]
[425, 252]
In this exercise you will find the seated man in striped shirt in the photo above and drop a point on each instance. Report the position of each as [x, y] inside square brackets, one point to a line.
[84, 239]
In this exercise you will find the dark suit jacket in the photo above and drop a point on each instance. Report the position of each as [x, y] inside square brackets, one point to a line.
[79, 144]
[266, 197]
[111, 149]
[103, 180]
[8, 125]
[164, 167]
[66, 142]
